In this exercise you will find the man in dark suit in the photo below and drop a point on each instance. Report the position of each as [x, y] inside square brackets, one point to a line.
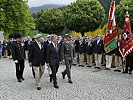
[89, 51]
[82, 48]
[18, 54]
[67, 56]
[98, 49]
[53, 58]
[118, 57]
[36, 55]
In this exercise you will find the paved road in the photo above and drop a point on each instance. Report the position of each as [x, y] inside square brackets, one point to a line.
[87, 85]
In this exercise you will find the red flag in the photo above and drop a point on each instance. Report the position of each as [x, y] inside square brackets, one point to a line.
[126, 44]
[110, 42]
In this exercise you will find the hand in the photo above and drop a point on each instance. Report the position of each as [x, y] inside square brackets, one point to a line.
[30, 64]
[16, 61]
[60, 63]
[74, 58]
[63, 61]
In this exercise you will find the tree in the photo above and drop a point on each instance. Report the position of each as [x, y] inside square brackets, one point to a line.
[15, 16]
[50, 21]
[84, 15]
[125, 5]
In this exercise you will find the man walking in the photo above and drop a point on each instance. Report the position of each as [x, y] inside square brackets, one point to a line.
[18, 54]
[67, 55]
[37, 53]
[53, 59]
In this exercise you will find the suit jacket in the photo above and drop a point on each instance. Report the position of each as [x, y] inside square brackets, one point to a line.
[76, 43]
[89, 48]
[36, 55]
[98, 48]
[82, 48]
[18, 51]
[52, 56]
[67, 51]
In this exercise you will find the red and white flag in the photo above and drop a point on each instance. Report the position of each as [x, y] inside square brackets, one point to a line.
[126, 44]
[110, 39]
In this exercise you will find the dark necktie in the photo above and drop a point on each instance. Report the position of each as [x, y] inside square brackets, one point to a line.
[56, 48]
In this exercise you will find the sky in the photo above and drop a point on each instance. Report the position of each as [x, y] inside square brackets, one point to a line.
[35, 3]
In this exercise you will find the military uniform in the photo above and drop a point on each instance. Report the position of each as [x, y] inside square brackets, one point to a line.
[67, 56]
[18, 54]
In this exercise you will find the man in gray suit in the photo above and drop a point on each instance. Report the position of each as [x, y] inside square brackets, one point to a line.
[67, 54]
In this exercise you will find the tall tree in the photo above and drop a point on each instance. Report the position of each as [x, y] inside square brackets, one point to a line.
[84, 15]
[50, 21]
[125, 5]
[15, 16]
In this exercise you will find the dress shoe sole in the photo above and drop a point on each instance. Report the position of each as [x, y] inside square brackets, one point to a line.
[38, 88]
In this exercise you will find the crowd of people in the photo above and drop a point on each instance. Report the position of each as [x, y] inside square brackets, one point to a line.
[53, 50]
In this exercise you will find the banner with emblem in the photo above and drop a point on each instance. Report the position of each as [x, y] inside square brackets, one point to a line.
[111, 35]
[126, 44]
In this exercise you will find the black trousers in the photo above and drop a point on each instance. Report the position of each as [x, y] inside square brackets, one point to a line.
[129, 63]
[68, 67]
[54, 69]
[19, 69]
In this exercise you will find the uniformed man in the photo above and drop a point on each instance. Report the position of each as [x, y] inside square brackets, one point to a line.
[67, 53]
[18, 54]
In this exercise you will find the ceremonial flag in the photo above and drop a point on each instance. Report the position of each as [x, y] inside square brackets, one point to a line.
[126, 44]
[111, 35]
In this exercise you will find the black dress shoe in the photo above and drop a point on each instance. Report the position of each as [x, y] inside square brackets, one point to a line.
[116, 70]
[79, 65]
[22, 78]
[56, 86]
[82, 65]
[88, 66]
[74, 64]
[63, 76]
[97, 67]
[119, 70]
[70, 81]
[38, 88]
[125, 72]
[19, 80]
[107, 69]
